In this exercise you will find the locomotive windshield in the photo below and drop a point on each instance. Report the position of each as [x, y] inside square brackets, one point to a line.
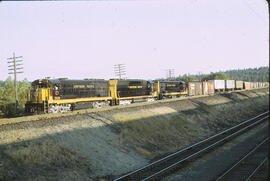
[39, 84]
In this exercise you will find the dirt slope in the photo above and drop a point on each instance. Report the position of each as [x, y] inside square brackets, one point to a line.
[109, 142]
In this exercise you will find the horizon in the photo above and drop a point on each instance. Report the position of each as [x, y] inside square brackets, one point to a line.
[86, 39]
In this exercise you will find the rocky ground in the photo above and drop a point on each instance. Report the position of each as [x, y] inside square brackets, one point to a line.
[101, 144]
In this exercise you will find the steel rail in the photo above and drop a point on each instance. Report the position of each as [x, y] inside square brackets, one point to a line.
[257, 168]
[242, 159]
[204, 149]
[149, 166]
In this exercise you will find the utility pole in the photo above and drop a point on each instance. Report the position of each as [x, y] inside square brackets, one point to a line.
[119, 70]
[200, 76]
[170, 73]
[13, 69]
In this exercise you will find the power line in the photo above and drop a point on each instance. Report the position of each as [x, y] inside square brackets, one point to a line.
[200, 76]
[120, 70]
[170, 73]
[247, 4]
[14, 66]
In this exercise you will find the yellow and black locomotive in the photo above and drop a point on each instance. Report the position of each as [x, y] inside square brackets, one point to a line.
[62, 95]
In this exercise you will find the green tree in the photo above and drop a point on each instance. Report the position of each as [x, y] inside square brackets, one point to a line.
[186, 78]
[216, 76]
[23, 92]
[7, 96]
[260, 74]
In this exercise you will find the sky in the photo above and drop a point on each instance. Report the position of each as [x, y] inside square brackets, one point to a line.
[86, 39]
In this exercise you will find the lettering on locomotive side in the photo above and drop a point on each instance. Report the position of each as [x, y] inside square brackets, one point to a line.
[134, 87]
[90, 86]
[83, 86]
[78, 86]
[171, 85]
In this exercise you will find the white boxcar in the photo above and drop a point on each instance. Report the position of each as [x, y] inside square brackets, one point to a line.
[230, 84]
[239, 84]
[218, 84]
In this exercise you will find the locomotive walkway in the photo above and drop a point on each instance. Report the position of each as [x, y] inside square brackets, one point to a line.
[173, 161]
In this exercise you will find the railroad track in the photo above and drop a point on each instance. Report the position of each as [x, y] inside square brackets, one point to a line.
[248, 165]
[173, 161]
[29, 117]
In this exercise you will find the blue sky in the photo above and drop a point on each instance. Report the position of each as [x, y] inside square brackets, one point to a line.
[85, 39]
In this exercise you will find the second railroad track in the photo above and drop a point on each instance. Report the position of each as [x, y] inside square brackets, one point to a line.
[173, 161]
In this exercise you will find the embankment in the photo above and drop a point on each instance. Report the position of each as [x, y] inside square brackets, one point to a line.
[101, 143]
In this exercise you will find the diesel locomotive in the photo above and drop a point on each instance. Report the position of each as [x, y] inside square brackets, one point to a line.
[62, 95]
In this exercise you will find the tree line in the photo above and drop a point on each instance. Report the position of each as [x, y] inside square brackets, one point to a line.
[7, 97]
[260, 74]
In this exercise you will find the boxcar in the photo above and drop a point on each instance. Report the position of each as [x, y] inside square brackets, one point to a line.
[251, 85]
[208, 88]
[195, 88]
[239, 84]
[218, 84]
[229, 84]
[247, 85]
[257, 84]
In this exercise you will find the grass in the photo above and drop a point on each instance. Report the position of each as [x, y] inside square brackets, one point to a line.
[153, 135]
[42, 160]
[142, 114]
[45, 153]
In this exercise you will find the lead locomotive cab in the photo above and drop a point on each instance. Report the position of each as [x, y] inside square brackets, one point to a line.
[40, 94]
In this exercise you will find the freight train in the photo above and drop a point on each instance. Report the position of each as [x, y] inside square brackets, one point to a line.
[63, 95]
